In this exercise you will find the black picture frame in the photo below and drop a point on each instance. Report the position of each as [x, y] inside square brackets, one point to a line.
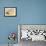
[10, 7]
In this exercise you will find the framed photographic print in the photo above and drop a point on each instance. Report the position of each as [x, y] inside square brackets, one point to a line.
[33, 32]
[10, 11]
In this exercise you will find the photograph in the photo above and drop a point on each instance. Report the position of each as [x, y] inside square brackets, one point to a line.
[31, 33]
[10, 11]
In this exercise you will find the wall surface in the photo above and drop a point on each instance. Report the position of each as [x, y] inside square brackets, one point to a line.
[28, 12]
